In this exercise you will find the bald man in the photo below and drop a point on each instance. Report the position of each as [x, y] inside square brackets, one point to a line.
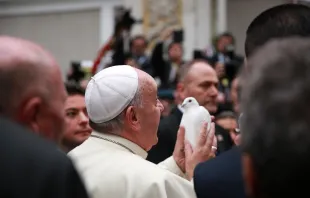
[32, 94]
[124, 110]
[31, 87]
[199, 80]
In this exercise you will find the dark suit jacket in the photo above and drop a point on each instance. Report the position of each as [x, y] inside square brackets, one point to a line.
[167, 135]
[33, 167]
[220, 177]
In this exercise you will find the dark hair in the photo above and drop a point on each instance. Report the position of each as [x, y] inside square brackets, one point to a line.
[74, 89]
[224, 34]
[174, 43]
[280, 21]
[138, 37]
[276, 122]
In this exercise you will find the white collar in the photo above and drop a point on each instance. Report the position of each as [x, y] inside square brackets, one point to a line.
[122, 142]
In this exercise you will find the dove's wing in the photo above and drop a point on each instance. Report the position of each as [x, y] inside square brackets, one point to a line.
[205, 117]
[188, 123]
[192, 120]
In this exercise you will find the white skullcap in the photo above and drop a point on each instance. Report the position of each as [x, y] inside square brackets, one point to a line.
[109, 92]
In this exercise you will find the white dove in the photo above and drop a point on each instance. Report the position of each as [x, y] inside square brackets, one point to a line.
[193, 118]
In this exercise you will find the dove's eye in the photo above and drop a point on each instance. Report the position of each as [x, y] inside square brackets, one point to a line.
[190, 101]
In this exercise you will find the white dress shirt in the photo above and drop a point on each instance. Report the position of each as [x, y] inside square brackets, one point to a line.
[114, 167]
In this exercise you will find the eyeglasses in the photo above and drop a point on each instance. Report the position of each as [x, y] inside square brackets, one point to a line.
[237, 130]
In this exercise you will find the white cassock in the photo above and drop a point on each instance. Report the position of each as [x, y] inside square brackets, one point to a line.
[114, 167]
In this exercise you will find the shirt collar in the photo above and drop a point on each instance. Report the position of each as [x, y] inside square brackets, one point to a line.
[126, 143]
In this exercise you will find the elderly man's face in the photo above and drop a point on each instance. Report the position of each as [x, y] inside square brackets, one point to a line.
[201, 84]
[149, 114]
[77, 128]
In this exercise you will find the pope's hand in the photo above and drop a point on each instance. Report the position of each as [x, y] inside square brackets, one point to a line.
[204, 150]
[179, 149]
[178, 153]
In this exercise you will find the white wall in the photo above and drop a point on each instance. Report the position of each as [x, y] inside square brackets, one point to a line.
[69, 30]
[68, 36]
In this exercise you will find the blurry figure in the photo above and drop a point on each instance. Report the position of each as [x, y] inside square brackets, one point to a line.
[138, 46]
[75, 74]
[226, 56]
[77, 128]
[228, 121]
[223, 42]
[125, 118]
[233, 103]
[223, 176]
[219, 69]
[166, 97]
[167, 109]
[197, 79]
[234, 95]
[167, 58]
[84, 83]
[131, 62]
[33, 95]
[276, 139]
[138, 56]
[117, 48]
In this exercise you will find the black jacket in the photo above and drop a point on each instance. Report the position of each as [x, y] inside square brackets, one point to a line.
[33, 167]
[220, 177]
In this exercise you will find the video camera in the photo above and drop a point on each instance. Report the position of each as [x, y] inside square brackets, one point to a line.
[124, 20]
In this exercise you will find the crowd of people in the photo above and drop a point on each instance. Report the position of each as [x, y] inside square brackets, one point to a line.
[115, 138]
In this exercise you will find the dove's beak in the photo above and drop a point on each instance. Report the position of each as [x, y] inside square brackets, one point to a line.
[183, 105]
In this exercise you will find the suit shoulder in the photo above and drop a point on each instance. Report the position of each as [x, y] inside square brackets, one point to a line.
[221, 176]
[226, 163]
[24, 143]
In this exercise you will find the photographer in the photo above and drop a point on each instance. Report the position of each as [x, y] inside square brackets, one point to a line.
[226, 62]
[167, 58]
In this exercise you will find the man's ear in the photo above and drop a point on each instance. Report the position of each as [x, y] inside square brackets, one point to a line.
[132, 118]
[28, 113]
[249, 175]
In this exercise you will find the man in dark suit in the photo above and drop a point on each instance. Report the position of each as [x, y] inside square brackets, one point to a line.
[33, 167]
[197, 79]
[277, 22]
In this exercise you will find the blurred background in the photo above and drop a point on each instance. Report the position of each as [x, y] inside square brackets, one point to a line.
[157, 36]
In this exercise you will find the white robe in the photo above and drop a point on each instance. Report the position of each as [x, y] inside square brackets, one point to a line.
[112, 171]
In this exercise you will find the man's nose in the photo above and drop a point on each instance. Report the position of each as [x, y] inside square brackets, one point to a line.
[213, 91]
[83, 118]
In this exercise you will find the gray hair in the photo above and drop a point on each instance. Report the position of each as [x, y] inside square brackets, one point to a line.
[116, 124]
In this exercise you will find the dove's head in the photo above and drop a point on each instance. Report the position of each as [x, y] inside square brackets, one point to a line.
[189, 102]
